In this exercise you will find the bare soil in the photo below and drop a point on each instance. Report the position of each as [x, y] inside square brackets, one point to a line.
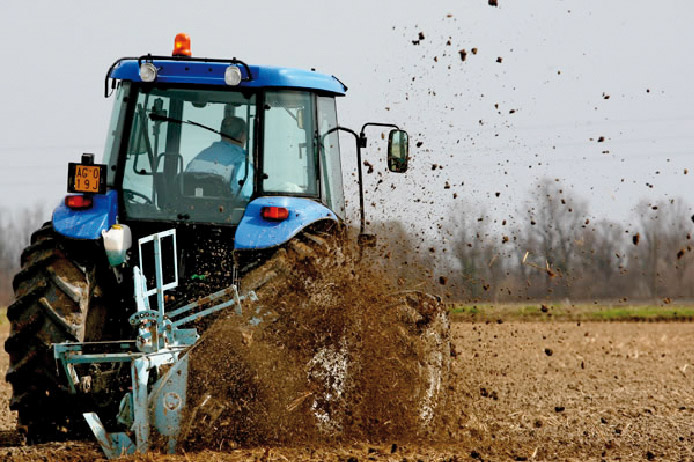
[521, 391]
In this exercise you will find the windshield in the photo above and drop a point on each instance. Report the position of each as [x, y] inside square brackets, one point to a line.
[189, 156]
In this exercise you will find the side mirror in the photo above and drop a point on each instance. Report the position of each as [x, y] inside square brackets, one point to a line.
[398, 151]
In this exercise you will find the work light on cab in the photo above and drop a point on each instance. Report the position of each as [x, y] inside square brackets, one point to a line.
[275, 213]
[148, 72]
[232, 75]
[181, 45]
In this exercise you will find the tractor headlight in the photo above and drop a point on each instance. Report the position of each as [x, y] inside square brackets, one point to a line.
[148, 72]
[232, 76]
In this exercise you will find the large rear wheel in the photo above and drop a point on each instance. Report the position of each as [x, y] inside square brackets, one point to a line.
[53, 293]
[325, 273]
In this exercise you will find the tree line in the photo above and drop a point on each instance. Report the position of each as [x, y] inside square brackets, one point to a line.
[551, 250]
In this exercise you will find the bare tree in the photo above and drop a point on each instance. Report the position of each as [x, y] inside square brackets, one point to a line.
[15, 231]
[556, 220]
[664, 251]
[599, 261]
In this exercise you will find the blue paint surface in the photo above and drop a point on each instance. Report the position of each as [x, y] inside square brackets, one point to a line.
[213, 74]
[87, 224]
[255, 232]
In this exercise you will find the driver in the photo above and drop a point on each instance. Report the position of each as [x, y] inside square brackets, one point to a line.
[226, 157]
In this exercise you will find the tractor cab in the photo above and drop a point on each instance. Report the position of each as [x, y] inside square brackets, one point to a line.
[195, 140]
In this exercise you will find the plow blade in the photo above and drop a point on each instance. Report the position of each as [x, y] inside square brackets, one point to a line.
[115, 444]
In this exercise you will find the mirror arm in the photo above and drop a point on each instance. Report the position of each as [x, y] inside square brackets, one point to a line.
[360, 141]
[362, 135]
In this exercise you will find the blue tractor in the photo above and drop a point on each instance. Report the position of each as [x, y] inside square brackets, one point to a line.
[238, 159]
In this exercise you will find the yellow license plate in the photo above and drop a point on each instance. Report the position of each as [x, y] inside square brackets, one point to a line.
[86, 178]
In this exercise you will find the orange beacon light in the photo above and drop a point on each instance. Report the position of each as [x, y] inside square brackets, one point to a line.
[181, 45]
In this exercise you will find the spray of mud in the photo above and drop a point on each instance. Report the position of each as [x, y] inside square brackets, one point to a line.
[331, 351]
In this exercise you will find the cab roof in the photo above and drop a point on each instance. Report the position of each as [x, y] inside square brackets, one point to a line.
[205, 71]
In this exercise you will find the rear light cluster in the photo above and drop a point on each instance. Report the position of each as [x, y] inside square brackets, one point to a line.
[79, 202]
[274, 213]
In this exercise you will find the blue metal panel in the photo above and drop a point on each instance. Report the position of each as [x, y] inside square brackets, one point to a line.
[168, 399]
[87, 224]
[255, 232]
[140, 376]
[213, 74]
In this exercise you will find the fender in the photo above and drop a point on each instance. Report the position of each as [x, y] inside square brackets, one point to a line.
[87, 224]
[255, 232]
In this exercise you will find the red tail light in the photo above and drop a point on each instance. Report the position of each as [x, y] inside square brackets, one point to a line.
[79, 202]
[275, 213]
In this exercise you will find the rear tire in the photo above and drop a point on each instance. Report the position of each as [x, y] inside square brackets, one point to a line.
[53, 291]
[422, 322]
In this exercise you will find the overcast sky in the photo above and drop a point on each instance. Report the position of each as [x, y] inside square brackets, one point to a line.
[493, 127]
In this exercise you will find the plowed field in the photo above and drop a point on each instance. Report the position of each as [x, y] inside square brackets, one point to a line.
[520, 391]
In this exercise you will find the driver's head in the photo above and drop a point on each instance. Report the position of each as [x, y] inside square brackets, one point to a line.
[233, 127]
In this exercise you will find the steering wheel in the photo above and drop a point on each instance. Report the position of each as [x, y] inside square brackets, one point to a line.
[129, 194]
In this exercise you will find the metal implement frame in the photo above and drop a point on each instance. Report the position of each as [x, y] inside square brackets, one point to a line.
[160, 342]
[160, 287]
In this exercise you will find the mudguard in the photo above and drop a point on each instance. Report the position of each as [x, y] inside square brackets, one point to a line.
[87, 224]
[255, 232]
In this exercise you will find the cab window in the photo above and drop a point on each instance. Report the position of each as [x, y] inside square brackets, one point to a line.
[289, 161]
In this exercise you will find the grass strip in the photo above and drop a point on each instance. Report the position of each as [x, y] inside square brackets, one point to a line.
[577, 312]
